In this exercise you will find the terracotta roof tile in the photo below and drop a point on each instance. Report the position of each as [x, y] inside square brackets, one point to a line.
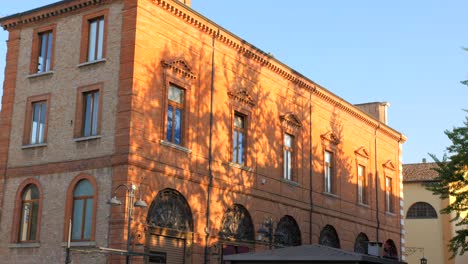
[418, 172]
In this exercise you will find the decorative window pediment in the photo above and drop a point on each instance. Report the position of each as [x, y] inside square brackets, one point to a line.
[290, 122]
[362, 151]
[389, 165]
[241, 95]
[179, 66]
[331, 137]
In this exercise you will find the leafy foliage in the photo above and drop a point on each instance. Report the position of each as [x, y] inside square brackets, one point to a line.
[452, 182]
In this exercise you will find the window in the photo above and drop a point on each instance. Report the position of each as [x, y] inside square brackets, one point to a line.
[83, 211]
[421, 210]
[35, 131]
[329, 172]
[29, 214]
[175, 109]
[43, 49]
[362, 185]
[93, 40]
[288, 156]
[238, 139]
[88, 114]
[389, 195]
[91, 110]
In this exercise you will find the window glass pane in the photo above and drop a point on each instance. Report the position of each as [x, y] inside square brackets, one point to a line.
[289, 166]
[285, 159]
[92, 40]
[95, 113]
[239, 121]
[49, 51]
[169, 123]
[26, 214]
[234, 147]
[83, 188]
[34, 214]
[35, 123]
[100, 38]
[41, 64]
[77, 219]
[287, 140]
[88, 219]
[178, 126]
[42, 122]
[31, 193]
[87, 114]
[176, 94]
[240, 146]
[328, 157]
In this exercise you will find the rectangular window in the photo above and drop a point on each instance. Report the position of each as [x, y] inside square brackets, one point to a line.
[93, 37]
[362, 185]
[43, 50]
[36, 120]
[39, 112]
[175, 109]
[389, 194]
[288, 156]
[238, 139]
[88, 112]
[328, 172]
[96, 38]
[91, 112]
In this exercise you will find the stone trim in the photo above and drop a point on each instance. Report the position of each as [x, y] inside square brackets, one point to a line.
[46, 12]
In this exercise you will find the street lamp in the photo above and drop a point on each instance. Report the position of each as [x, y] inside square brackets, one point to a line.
[267, 231]
[423, 260]
[140, 203]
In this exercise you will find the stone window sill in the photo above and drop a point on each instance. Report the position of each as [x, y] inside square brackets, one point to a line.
[80, 244]
[39, 74]
[41, 145]
[331, 195]
[292, 183]
[240, 166]
[363, 205]
[175, 146]
[25, 245]
[87, 138]
[84, 64]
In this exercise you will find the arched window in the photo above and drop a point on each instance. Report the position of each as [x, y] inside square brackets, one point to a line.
[329, 237]
[360, 244]
[421, 210]
[390, 249]
[83, 211]
[29, 214]
[170, 210]
[237, 224]
[287, 232]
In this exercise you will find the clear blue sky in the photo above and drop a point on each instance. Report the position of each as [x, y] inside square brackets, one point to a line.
[404, 52]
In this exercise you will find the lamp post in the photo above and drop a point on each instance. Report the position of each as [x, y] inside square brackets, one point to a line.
[267, 230]
[131, 189]
[411, 250]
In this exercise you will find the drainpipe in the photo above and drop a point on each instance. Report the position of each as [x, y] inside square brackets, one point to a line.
[311, 168]
[376, 183]
[210, 158]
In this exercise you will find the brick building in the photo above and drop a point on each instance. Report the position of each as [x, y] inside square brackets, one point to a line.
[219, 138]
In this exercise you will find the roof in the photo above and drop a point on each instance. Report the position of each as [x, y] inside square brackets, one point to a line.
[307, 254]
[419, 172]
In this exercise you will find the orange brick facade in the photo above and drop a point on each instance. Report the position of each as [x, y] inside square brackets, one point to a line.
[151, 45]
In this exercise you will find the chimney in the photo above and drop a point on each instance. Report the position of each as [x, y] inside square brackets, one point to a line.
[424, 160]
[378, 110]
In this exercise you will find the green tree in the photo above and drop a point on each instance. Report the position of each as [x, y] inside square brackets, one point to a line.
[452, 182]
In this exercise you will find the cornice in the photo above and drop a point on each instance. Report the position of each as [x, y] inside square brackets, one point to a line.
[46, 12]
[246, 49]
